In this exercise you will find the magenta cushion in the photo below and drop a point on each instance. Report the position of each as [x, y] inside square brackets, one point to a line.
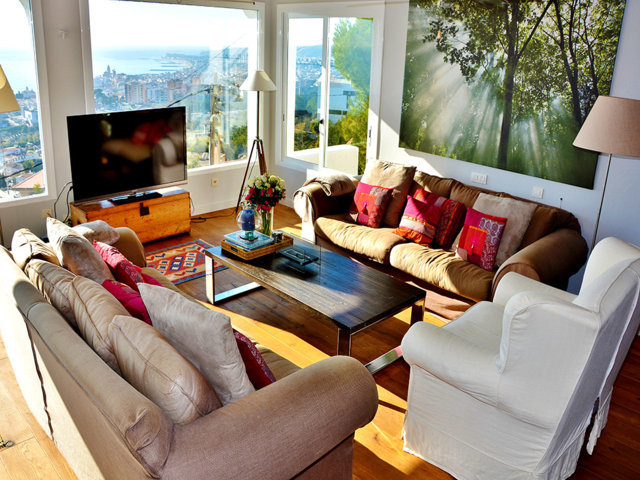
[257, 369]
[369, 204]
[147, 278]
[452, 216]
[123, 270]
[480, 238]
[419, 221]
[129, 298]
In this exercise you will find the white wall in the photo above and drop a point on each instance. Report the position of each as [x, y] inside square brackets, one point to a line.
[621, 210]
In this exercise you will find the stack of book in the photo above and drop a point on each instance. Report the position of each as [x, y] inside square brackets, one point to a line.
[260, 240]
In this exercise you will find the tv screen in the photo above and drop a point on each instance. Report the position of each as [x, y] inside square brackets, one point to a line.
[123, 153]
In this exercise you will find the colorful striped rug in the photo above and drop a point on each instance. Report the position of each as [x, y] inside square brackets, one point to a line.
[181, 263]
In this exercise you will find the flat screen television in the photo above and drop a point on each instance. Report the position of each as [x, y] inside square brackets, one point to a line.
[123, 156]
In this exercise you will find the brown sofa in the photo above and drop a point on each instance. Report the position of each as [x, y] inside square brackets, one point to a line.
[302, 426]
[551, 251]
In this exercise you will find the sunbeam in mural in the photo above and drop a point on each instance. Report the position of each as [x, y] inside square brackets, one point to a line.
[508, 84]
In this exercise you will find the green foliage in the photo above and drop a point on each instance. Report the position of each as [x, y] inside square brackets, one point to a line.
[351, 52]
[238, 143]
[37, 188]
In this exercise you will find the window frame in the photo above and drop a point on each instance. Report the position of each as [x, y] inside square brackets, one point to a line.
[373, 10]
[44, 112]
[87, 67]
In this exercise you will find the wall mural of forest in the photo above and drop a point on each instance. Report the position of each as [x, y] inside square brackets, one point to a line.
[508, 84]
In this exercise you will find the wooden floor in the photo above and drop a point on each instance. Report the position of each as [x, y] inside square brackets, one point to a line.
[291, 333]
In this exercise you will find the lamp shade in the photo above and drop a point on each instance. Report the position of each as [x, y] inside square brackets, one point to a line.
[8, 101]
[258, 81]
[612, 126]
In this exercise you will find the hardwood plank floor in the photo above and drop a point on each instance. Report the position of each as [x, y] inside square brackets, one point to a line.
[290, 332]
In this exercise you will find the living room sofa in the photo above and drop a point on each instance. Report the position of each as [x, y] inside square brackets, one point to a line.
[302, 426]
[552, 248]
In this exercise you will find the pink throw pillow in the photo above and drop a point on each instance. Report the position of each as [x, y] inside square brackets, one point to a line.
[129, 298]
[452, 216]
[480, 238]
[123, 270]
[419, 221]
[148, 279]
[369, 205]
[257, 369]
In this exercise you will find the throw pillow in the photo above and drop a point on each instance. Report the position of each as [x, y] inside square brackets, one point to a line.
[76, 252]
[146, 278]
[94, 309]
[54, 282]
[395, 176]
[98, 231]
[25, 246]
[129, 298]
[451, 218]
[120, 266]
[518, 214]
[158, 371]
[480, 238]
[369, 204]
[257, 369]
[419, 221]
[203, 336]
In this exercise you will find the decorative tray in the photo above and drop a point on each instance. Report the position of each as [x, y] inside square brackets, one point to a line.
[286, 241]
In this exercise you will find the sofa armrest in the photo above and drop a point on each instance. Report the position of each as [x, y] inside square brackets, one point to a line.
[513, 283]
[130, 246]
[551, 259]
[311, 202]
[280, 430]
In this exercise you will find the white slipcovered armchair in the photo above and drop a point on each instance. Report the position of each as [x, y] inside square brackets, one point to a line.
[508, 389]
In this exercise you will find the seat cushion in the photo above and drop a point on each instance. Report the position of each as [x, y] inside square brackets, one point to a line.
[443, 269]
[375, 243]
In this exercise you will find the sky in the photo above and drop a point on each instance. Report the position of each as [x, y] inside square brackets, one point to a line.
[15, 32]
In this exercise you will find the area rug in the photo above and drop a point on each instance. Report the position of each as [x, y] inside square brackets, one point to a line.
[181, 263]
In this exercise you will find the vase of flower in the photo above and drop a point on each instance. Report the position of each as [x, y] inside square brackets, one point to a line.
[263, 193]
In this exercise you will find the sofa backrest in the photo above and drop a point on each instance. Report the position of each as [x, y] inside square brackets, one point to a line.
[101, 424]
[546, 219]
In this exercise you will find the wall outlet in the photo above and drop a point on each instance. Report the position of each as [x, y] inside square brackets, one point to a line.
[215, 182]
[47, 212]
[537, 192]
[479, 178]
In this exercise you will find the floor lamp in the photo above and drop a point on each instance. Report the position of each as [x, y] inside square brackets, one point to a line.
[257, 81]
[613, 127]
[8, 103]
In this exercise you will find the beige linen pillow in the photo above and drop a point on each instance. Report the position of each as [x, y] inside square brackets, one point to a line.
[94, 309]
[98, 231]
[391, 175]
[158, 371]
[54, 283]
[518, 214]
[25, 245]
[76, 253]
[203, 336]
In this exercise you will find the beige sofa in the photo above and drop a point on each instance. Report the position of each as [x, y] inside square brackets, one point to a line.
[552, 248]
[301, 426]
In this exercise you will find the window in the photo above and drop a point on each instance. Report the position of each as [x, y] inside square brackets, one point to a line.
[330, 96]
[150, 55]
[22, 172]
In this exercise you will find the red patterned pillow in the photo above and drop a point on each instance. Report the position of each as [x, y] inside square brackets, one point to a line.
[419, 221]
[480, 238]
[123, 270]
[369, 205]
[129, 298]
[257, 369]
[452, 215]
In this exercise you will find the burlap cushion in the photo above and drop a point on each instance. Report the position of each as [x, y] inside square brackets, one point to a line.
[391, 175]
[203, 336]
[158, 371]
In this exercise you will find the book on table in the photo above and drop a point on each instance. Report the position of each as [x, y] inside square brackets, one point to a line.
[260, 240]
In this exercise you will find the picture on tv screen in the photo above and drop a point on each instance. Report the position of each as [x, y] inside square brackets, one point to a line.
[126, 152]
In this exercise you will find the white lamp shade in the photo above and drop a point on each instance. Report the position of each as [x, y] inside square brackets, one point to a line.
[258, 81]
[612, 126]
[8, 101]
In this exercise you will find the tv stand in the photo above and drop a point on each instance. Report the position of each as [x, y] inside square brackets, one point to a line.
[169, 213]
[135, 197]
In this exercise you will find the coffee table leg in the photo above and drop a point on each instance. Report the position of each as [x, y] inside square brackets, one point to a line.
[417, 312]
[211, 284]
[344, 342]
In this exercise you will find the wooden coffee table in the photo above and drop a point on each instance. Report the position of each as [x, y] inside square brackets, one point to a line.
[350, 295]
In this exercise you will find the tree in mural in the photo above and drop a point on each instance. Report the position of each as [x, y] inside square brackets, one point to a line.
[531, 56]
